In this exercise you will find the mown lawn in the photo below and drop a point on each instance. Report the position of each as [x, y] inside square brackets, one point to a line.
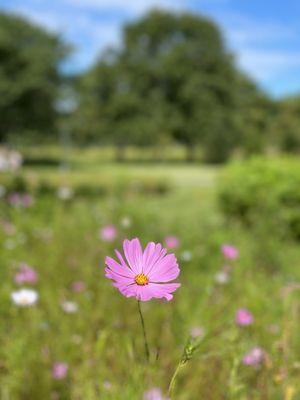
[102, 341]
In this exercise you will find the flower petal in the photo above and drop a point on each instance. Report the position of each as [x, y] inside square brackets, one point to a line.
[154, 254]
[164, 270]
[156, 290]
[118, 269]
[133, 253]
[126, 290]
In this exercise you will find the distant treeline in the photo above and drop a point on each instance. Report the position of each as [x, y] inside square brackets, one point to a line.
[172, 80]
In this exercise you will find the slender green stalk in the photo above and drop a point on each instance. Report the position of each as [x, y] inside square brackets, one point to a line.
[144, 331]
[189, 350]
[173, 379]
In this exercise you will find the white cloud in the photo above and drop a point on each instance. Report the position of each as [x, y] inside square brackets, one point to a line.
[267, 65]
[131, 6]
[88, 37]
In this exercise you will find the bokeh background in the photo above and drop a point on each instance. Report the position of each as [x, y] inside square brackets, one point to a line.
[176, 122]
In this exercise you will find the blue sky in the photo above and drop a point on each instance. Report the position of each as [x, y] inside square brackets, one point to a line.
[263, 34]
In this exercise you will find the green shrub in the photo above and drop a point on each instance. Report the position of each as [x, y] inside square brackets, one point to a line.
[17, 183]
[263, 191]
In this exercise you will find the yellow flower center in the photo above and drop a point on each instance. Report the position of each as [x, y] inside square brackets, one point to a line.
[141, 280]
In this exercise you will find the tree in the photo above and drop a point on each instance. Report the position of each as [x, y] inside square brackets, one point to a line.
[172, 79]
[29, 77]
[254, 113]
[285, 126]
[183, 56]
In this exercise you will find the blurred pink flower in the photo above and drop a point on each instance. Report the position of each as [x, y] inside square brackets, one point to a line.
[8, 228]
[154, 394]
[243, 317]
[20, 200]
[108, 233]
[59, 370]
[14, 199]
[197, 332]
[229, 252]
[254, 357]
[26, 274]
[172, 242]
[107, 385]
[143, 274]
[78, 287]
[27, 200]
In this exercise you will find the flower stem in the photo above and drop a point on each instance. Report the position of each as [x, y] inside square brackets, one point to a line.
[144, 331]
[173, 380]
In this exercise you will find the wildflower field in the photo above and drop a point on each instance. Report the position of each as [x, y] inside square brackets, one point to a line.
[231, 330]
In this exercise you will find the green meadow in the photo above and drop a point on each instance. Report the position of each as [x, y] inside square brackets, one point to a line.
[99, 337]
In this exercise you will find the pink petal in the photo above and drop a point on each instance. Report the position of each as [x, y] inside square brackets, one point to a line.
[123, 263]
[118, 269]
[155, 254]
[118, 278]
[148, 252]
[127, 290]
[158, 290]
[165, 270]
[144, 293]
[133, 254]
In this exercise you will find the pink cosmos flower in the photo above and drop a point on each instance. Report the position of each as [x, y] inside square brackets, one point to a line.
[27, 200]
[59, 370]
[14, 199]
[197, 332]
[243, 317]
[20, 200]
[154, 394]
[8, 228]
[172, 242]
[143, 274]
[78, 287]
[254, 357]
[229, 252]
[108, 233]
[26, 274]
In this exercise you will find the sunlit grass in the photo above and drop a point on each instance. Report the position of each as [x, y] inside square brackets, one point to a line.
[102, 342]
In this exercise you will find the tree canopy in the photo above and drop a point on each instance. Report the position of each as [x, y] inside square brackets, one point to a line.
[29, 76]
[172, 80]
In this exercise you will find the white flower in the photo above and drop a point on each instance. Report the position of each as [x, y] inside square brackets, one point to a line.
[70, 307]
[222, 277]
[2, 190]
[15, 160]
[10, 160]
[126, 222]
[24, 297]
[186, 255]
[65, 193]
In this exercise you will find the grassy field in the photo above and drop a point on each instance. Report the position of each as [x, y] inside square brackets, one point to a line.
[98, 335]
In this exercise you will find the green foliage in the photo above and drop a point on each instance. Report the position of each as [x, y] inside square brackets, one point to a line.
[264, 191]
[173, 80]
[285, 127]
[102, 342]
[29, 77]
[254, 115]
